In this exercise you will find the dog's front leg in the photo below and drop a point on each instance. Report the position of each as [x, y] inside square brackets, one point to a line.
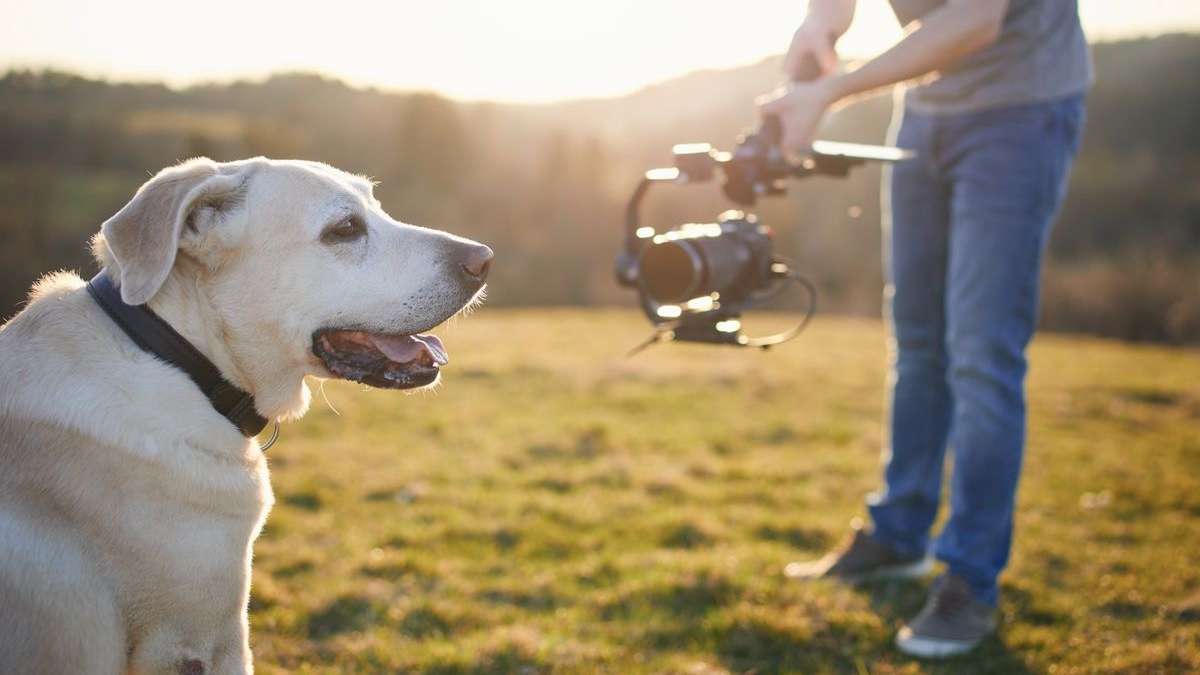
[231, 655]
[169, 651]
[164, 651]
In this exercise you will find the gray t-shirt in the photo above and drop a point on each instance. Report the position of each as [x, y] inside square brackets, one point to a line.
[1041, 55]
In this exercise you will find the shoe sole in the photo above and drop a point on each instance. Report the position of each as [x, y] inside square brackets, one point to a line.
[934, 648]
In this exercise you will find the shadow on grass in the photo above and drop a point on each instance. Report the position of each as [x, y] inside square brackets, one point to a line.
[767, 645]
[347, 613]
[502, 659]
[353, 613]
[798, 538]
[689, 596]
[666, 614]
[898, 601]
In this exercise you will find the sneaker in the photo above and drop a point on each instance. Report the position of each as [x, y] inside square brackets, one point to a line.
[860, 558]
[952, 622]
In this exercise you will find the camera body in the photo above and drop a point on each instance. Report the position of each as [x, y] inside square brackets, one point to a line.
[694, 280]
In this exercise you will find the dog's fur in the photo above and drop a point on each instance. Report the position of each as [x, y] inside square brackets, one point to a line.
[128, 505]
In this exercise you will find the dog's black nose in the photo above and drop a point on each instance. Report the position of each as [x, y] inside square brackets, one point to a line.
[476, 261]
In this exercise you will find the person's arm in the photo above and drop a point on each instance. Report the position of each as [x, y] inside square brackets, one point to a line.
[813, 43]
[945, 35]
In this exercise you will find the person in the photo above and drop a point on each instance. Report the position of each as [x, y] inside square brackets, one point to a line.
[993, 108]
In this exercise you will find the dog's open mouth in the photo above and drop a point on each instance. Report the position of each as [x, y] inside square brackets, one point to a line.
[380, 360]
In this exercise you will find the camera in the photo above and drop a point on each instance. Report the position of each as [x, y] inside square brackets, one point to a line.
[728, 259]
[695, 280]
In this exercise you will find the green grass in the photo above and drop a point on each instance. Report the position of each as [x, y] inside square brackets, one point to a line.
[555, 508]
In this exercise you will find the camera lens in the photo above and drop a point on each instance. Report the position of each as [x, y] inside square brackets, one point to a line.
[672, 271]
[711, 259]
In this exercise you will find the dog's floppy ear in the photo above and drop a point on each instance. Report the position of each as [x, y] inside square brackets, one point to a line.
[143, 237]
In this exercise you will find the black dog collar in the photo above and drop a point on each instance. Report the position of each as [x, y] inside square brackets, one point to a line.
[156, 336]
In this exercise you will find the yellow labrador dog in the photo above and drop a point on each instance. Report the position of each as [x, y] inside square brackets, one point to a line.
[131, 483]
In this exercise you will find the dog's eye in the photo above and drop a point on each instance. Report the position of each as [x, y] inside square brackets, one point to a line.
[347, 230]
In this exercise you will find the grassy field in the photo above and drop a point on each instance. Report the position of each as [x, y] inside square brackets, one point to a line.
[556, 508]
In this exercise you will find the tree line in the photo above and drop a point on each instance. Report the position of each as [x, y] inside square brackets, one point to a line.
[546, 185]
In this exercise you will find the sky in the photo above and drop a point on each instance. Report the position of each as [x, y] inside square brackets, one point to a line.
[504, 50]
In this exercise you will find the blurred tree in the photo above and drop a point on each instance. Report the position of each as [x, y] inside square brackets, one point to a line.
[545, 185]
[432, 148]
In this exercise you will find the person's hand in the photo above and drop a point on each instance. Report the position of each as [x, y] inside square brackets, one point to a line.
[800, 106]
[811, 54]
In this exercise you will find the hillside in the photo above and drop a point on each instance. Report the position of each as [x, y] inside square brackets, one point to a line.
[545, 185]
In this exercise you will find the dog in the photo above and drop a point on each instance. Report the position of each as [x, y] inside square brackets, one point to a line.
[130, 493]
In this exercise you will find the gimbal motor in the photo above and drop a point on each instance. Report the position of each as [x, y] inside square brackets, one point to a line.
[694, 281]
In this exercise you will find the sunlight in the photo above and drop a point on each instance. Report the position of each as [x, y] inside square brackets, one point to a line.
[524, 50]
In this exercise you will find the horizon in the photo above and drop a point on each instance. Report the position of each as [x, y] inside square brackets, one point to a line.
[260, 79]
[645, 45]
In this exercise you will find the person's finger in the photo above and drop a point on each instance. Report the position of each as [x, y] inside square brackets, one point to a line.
[790, 61]
[772, 104]
[807, 69]
[796, 51]
[810, 56]
[790, 141]
[827, 60]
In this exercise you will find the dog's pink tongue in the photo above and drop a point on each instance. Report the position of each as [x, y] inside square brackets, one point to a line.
[410, 348]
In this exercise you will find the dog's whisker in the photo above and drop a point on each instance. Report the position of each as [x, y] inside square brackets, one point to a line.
[326, 397]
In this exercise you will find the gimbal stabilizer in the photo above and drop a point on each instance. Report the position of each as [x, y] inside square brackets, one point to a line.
[695, 280]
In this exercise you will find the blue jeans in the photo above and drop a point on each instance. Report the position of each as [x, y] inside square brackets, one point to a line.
[963, 241]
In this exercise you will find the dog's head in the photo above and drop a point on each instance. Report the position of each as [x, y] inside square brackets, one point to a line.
[281, 269]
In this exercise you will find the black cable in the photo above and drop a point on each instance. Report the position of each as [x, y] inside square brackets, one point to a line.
[777, 338]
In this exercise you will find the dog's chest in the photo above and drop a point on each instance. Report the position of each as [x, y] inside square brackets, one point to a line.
[161, 529]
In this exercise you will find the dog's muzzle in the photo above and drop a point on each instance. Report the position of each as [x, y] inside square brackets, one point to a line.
[381, 360]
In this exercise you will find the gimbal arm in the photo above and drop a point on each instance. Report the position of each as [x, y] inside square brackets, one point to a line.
[756, 167]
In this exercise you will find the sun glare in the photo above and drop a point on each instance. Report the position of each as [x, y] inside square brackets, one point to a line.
[522, 50]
